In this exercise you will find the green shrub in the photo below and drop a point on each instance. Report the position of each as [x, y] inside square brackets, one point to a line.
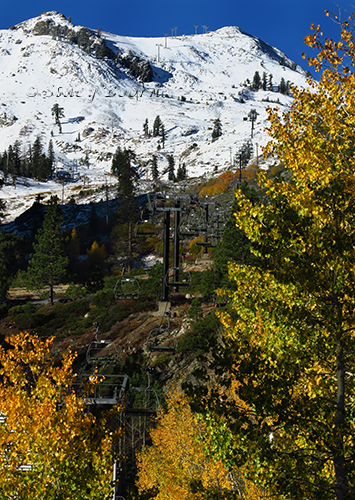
[195, 309]
[201, 336]
[153, 286]
[161, 360]
[75, 291]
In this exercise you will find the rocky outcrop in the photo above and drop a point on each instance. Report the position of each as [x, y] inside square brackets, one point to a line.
[139, 68]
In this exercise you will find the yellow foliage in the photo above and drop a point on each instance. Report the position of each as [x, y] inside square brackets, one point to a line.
[250, 172]
[97, 254]
[176, 465]
[193, 248]
[68, 449]
[74, 245]
[219, 185]
[294, 311]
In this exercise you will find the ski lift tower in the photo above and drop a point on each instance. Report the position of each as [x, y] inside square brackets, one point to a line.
[252, 115]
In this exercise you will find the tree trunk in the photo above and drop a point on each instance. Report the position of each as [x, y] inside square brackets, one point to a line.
[338, 454]
[129, 245]
[50, 297]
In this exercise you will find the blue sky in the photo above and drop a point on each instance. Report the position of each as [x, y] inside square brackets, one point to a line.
[282, 23]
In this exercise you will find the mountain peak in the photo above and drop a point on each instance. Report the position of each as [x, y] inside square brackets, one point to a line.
[108, 85]
[46, 18]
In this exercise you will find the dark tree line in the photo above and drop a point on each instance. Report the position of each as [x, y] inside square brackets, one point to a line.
[265, 83]
[32, 162]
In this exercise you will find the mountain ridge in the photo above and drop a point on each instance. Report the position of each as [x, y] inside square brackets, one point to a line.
[195, 79]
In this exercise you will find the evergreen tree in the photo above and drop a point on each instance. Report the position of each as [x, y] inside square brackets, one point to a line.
[264, 84]
[11, 163]
[2, 208]
[153, 286]
[244, 154]
[155, 172]
[282, 61]
[171, 167]
[93, 220]
[58, 113]
[283, 87]
[84, 41]
[157, 126]
[146, 127]
[17, 158]
[50, 159]
[181, 172]
[234, 247]
[162, 133]
[10, 255]
[36, 164]
[47, 266]
[270, 81]
[27, 168]
[217, 129]
[256, 85]
[4, 164]
[127, 177]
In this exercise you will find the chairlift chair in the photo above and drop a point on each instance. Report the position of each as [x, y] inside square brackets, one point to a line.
[144, 229]
[109, 390]
[151, 402]
[96, 346]
[127, 288]
[206, 244]
[152, 340]
[184, 277]
[153, 346]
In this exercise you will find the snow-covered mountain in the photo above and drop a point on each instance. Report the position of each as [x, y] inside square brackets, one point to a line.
[108, 85]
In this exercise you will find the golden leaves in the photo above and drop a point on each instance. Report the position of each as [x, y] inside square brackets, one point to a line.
[178, 460]
[68, 449]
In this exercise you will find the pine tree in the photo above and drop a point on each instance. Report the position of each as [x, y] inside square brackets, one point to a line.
[283, 88]
[146, 127]
[48, 263]
[244, 154]
[35, 169]
[2, 208]
[157, 126]
[10, 255]
[217, 129]
[11, 163]
[17, 158]
[58, 113]
[171, 167]
[256, 81]
[181, 172]
[50, 159]
[4, 164]
[28, 161]
[127, 177]
[162, 133]
[154, 169]
[264, 84]
[270, 81]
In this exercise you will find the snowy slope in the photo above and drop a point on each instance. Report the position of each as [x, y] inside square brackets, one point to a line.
[196, 79]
